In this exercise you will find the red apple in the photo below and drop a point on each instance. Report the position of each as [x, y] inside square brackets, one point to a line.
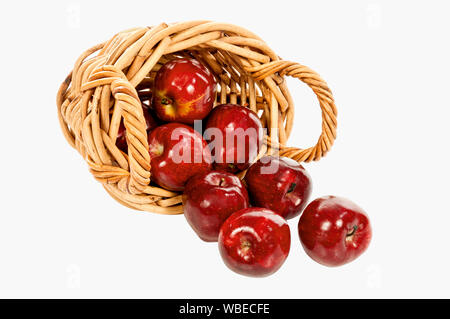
[280, 184]
[235, 135]
[184, 91]
[177, 153]
[209, 199]
[334, 231]
[121, 140]
[254, 242]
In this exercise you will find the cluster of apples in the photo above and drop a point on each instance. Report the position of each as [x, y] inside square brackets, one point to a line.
[247, 218]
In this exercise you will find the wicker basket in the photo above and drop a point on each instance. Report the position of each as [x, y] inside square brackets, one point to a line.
[109, 81]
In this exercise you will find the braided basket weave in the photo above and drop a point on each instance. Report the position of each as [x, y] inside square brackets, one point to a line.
[109, 81]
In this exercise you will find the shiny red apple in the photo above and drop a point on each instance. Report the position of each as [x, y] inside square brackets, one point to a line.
[184, 91]
[254, 242]
[280, 184]
[209, 199]
[334, 231]
[234, 134]
[121, 141]
[177, 153]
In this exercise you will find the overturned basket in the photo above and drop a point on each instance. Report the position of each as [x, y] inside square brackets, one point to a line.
[110, 80]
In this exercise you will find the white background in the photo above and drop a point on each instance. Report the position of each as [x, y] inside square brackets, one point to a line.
[387, 63]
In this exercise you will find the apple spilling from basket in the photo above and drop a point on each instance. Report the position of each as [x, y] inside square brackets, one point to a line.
[247, 218]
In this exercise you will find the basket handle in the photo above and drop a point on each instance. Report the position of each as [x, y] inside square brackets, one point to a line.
[326, 101]
[127, 99]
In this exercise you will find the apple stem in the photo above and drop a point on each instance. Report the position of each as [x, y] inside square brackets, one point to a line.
[352, 232]
[222, 181]
[291, 188]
